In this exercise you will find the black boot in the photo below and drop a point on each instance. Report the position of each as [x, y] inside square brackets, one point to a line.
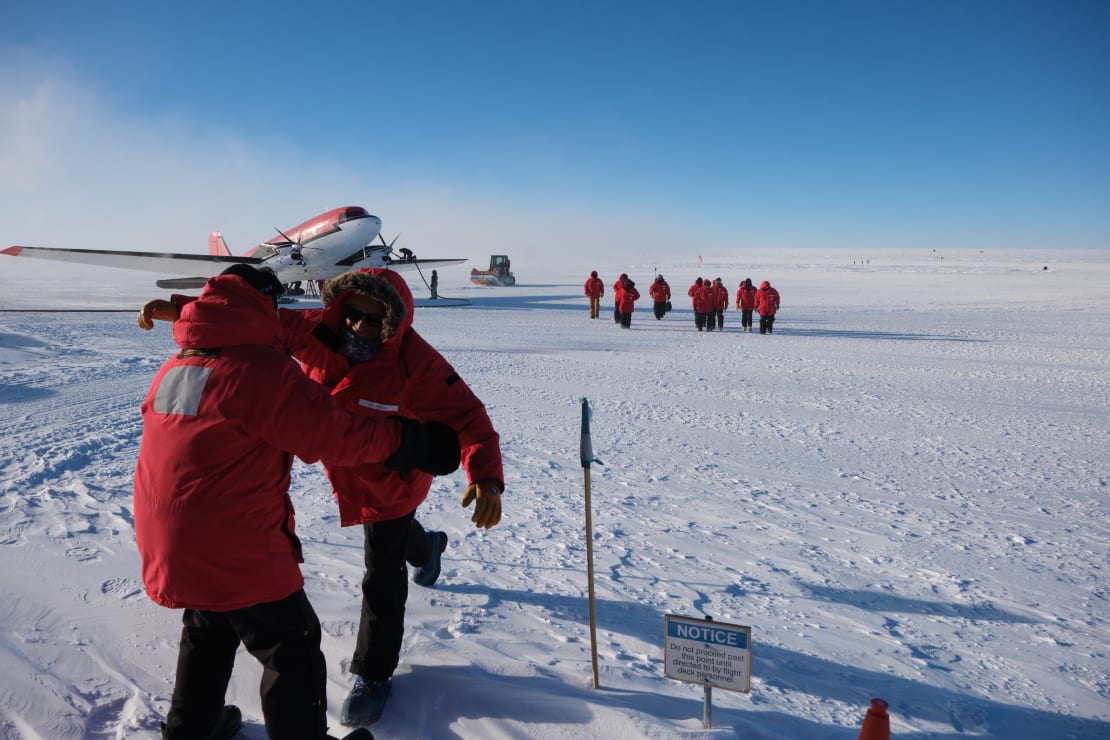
[360, 734]
[228, 727]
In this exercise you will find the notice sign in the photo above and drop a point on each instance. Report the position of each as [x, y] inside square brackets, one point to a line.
[707, 652]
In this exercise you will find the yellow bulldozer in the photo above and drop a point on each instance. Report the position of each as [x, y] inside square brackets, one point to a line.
[497, 274]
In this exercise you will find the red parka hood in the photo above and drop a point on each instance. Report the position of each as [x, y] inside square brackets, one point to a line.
[228, 313]
[383, 285]
[765, 284]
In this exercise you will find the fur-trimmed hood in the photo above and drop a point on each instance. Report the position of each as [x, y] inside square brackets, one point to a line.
[384, 285]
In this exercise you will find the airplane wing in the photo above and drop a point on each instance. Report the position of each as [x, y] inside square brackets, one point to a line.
[395, 264]
[196, 266]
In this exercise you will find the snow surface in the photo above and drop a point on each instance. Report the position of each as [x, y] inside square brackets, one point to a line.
[903, 492]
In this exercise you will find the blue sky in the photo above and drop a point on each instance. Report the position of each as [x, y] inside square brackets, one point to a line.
[724, 125]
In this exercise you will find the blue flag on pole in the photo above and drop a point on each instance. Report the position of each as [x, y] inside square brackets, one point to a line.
[586, 447]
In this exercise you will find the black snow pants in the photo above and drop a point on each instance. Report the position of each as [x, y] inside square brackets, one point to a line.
[388, 546]
[285, 638]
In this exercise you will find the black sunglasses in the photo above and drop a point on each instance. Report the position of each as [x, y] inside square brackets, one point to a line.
[353, 315]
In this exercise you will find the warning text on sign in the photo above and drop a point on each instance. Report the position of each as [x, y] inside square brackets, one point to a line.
[709, 653]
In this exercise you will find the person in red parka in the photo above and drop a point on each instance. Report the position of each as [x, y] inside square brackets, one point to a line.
[364, 347]
[660, 293]
[617, 288]
[699, 317]
[594, 289]
[745, 303]
[629, 296]
[767, 303]
[720, 303]
[703, 305]
[214, 522]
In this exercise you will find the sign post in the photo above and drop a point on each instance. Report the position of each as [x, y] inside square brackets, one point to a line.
[709, 653]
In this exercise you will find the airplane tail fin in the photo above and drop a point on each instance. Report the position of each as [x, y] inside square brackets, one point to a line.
[217, 246]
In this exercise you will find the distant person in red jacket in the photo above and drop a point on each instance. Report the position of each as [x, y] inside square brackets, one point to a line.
[767, 303]
[745, 303]
[617, 288]
[629, 296]
[594, 289]
[720, 303]
[699, 317]
[660, 293]
[703, 306]
[213, 519]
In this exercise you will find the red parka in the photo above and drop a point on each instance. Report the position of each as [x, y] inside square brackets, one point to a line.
[693, 293]
[703, 298]
[720, 297]
[213, 519]
[745, 297]
[618, 288]
[766, 299]
[629, 296]
[660, 291]
[407, 377]
[594, 288]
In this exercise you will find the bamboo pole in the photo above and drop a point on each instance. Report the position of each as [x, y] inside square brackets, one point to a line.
[586, 453]
[590, 577]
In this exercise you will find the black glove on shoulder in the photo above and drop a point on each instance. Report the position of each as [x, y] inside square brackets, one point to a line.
[432, 447]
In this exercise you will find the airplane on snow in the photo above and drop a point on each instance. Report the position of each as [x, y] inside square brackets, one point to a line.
[319, 249]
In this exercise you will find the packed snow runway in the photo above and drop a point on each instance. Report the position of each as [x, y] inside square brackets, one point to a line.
[903, 491]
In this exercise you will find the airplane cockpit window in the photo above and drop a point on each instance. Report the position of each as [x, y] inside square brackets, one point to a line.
[352, 213]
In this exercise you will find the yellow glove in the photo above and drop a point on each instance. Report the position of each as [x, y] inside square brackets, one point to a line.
[487, 510]
[157, 309]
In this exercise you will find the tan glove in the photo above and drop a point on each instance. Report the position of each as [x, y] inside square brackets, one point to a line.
[487, 509]
[157, 309]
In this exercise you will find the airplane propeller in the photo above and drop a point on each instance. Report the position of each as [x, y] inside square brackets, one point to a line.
[295, 246]
[388, 246]
[406, 254]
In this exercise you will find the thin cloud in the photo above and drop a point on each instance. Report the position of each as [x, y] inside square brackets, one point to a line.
[80, 171]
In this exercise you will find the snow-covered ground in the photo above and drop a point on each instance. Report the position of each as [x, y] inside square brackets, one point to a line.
[903, 492]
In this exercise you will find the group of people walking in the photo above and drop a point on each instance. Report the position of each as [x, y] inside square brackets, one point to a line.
[625, 296]
[710, 299]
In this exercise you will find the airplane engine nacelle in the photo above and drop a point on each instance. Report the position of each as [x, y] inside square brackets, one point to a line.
[288, 267]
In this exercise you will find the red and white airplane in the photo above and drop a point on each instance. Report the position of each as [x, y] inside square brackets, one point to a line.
[319, 249]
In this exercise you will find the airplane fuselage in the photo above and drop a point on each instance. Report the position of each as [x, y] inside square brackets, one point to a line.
[323, 247]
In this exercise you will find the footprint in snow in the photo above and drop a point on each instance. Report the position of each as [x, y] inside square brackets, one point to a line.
[121, 588]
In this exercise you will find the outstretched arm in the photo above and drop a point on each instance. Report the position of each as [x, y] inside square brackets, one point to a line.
[157, 310]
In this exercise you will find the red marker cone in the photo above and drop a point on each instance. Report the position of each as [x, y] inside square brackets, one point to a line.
[876, 725]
